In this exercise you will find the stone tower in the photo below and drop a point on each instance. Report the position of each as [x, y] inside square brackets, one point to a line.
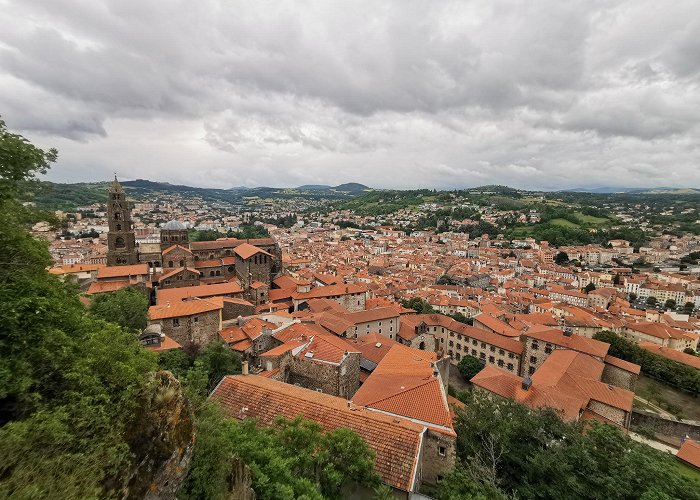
[121, 241]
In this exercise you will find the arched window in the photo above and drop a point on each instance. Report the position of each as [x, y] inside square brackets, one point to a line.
[211, 256]
[170, 263]
[218, 273]
[165, 239]
[157, 264]
[119, 227]
[211, 273]
[230, 269]
[182, 263]
[119, 242]
[118, 216]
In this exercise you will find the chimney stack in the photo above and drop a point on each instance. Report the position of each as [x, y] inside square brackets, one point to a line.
[244, 368]
[240, 320]
[527, 382]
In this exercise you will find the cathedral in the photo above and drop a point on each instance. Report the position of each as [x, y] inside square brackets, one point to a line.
[177, 262]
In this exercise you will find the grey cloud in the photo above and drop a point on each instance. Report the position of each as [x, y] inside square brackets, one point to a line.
[404, 93]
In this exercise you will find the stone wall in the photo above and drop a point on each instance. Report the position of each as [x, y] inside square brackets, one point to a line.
[613, 414]
[200, 329]
[438, 457]
[666, 427]
[234, 309]
[337, 380]
[619, 378]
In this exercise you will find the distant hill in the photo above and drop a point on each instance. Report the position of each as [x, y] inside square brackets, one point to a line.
[352, 187]
[629, 190]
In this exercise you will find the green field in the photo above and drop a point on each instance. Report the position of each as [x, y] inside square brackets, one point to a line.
[589, 219]
[563, 223]
[678, 403]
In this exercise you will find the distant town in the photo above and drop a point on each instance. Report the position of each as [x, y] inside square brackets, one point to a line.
[397, 301]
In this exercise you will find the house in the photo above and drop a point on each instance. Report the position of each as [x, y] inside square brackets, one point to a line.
[400, 445]
[568, 381]
[190, 322]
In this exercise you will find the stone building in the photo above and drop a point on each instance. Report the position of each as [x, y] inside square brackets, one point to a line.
[121, 240]
[191, 322]
[173, 233]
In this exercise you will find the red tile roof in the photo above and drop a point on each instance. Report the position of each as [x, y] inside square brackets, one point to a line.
[574, 342]
[403, 384]
[122, 271]
[106, 286]
[180, 309]
[672, 354]
[396, 441]
[690, 453]
[245, 251]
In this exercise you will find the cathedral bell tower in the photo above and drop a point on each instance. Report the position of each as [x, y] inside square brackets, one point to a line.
[121, 241]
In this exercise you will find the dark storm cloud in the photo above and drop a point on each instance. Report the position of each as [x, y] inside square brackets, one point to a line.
[400, 93]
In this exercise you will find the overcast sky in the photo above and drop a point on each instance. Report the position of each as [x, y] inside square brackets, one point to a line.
[405, 94]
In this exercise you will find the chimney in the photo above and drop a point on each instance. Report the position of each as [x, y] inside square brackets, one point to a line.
[240, 320]
[527, 382]
[244, 368]
[568, 332]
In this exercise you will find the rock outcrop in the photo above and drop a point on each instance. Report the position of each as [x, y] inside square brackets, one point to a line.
[161, 440]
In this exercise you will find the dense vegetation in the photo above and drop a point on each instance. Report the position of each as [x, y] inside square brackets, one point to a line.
[127, 307]
[505, 450]
[672, 373]
[68, 380]
[469, 366]
[245, 231]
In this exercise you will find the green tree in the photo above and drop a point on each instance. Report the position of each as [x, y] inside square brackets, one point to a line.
[219, 360]
[418, 305]
[503, 446]
[127, 307]
[670, 304]
[633, 296]
[561, 258]
[589, 287]
[690, 350]
[651, 300]
[469, 366]
[688, 307]
[67, 380]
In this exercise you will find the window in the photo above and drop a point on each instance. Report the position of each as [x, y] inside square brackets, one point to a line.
[182, 263]
[179, 278]
[501, 352]
[510, 366]
[474, 352]
[511, 355]
[482, 355]
[493, 349]
[459, 346]
[457, 356]
[176, 321]
[442, 451]
[195, 319]
[531, 370]
[483, 345]
[452, 334]
[170, 263]
[474, 342]
[500, 363]
[451, 343]
[548, 350]
[119, 227]
[491, 360]
[119, 242]
[535, 346]
[533, 359]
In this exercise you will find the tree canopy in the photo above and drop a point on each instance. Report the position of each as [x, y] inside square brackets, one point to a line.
[127, 307]
[67, 380]
[504, 449]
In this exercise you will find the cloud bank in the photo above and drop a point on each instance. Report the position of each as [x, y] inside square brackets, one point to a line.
[398, 94]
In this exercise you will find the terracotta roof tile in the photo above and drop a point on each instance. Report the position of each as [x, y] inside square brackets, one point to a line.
[395, 441]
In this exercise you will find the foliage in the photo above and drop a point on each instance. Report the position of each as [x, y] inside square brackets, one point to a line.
[127, 307]
[67, 380]
[245, 231]
[589, 288]
[506, 447]
[651, 300]
[670, 304]
[561, 258]
[469, 366]
[664, 370]
[458, 316]
[215, 361]
[418, 305]
[292, 459]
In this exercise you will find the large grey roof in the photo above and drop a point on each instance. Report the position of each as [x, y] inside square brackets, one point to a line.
[174, 225]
